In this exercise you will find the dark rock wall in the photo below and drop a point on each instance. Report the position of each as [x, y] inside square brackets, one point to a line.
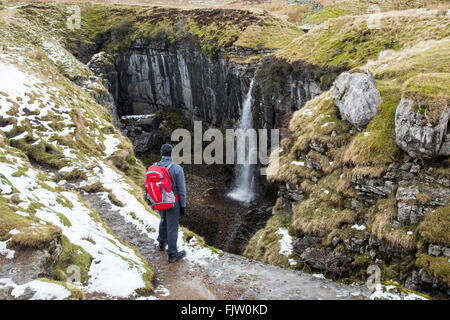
[156, 77]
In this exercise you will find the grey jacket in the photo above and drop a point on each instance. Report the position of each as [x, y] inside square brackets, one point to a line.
[178, 181]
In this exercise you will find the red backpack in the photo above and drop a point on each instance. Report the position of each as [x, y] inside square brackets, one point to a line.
[158, 184]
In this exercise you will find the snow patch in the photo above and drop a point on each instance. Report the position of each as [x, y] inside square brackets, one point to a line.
[390, 292]
[4, 251]
[285, 242]
[43, 290]
[358, 227]
[111, 143]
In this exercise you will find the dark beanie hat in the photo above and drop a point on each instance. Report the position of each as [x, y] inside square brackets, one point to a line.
[166, 150]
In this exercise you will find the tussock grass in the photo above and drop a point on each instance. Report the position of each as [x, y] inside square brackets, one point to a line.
[313, 125]
[41, 152]
[270, 33]
[316, 217]
[348, 40]
[435, 228]
[114, 27]
[264, 245]
[32, 234]
[36, 236]
[380, 218]
[430, 92]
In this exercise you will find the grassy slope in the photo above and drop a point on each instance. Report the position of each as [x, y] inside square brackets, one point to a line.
[56, 134]
[54, 141]
[217, 30]
[414, 60]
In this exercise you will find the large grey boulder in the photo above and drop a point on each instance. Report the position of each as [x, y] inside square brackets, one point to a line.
[357, 97]
[416, 135]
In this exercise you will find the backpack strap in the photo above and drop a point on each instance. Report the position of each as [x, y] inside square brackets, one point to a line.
[166, 166]
[169, 166]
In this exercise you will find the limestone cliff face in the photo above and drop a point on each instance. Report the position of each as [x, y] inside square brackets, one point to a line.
[154, 76]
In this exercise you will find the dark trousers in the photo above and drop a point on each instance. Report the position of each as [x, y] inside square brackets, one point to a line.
[168, 228]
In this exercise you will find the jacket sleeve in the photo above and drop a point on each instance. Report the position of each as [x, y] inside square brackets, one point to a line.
[181, 184]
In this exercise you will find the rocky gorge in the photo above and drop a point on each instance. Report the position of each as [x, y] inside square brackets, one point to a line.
[363, 177]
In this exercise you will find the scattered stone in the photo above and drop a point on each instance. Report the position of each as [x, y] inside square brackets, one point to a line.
[415, 168]
[5, 293]
[355, 205]
[27, 294]
[335, 241]
[446, 251]
[301, 244]
[434, 250]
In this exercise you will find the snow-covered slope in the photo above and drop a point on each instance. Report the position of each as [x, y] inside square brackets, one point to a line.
[56, 144]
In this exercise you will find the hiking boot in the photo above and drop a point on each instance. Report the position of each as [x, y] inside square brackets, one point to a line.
[177, 256]
[162, 246]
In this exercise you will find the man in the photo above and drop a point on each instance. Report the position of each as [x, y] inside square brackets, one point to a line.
[168, 226]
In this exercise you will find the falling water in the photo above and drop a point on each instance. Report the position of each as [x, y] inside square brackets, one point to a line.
[244, 181]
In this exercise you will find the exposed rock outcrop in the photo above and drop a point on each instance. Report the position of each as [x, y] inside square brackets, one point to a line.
[325, 259]
[102, 65]
[155, 77]
[357, 97]
[416, 135]
[29, 264]
[146, 132]
[160, 77]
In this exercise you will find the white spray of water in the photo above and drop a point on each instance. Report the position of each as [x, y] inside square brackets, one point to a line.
[244, 181]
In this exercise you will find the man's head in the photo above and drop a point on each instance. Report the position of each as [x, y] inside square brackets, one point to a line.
[166, 150]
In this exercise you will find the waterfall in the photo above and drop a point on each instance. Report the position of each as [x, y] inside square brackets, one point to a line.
[244, 181]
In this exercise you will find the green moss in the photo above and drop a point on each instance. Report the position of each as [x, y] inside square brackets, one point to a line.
[72, 255]
[64, 220]
[430, 93]
[376, 145]
[9, 220]
[317, 217]
[438, 267]
[173, 120]
[404, 290]
[324, 14]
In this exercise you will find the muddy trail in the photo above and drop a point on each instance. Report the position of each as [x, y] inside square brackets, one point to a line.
[228, 276]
